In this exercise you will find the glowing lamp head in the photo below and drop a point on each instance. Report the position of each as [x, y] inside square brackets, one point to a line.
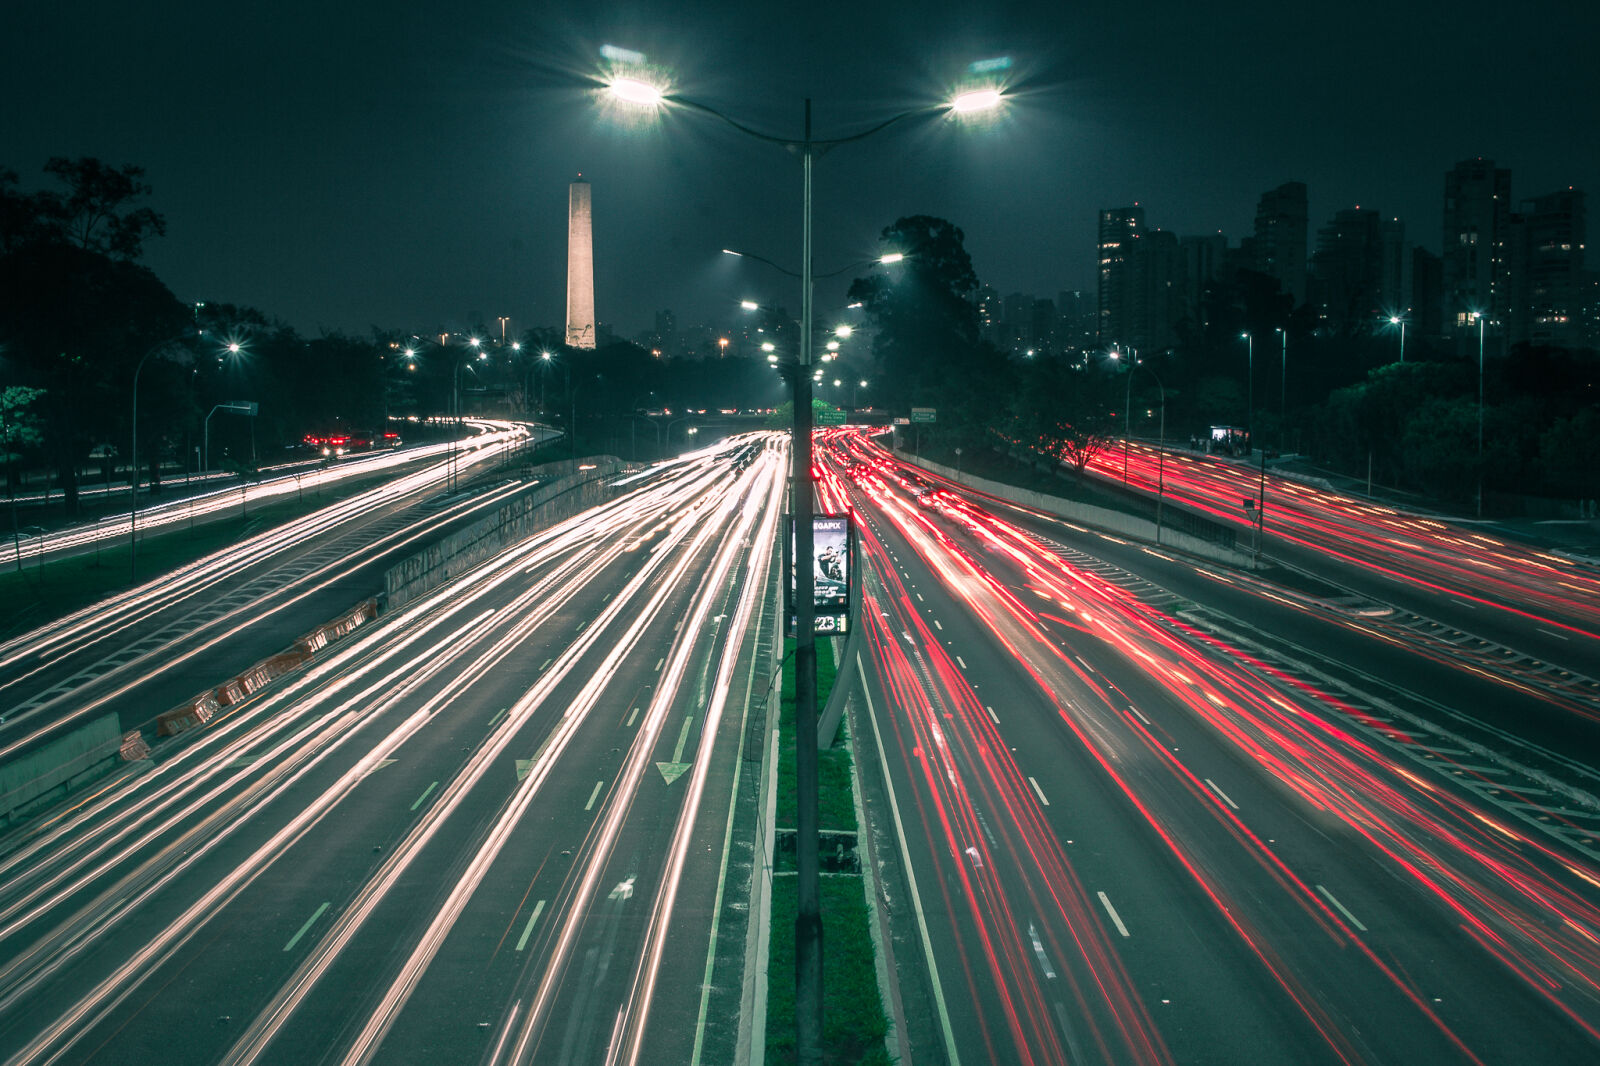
[842, 331]
[411, 353]
[636, 92]
[768, 346]
[1394, 320]
[476, 343]
[234, 348]
[749, 305]
[976, 100]
[892, 257]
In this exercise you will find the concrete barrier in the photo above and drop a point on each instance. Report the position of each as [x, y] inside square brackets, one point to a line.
[41, 777]
[1103, 518]
[564, 490]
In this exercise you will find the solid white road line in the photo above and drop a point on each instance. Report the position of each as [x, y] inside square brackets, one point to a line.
[916, 898]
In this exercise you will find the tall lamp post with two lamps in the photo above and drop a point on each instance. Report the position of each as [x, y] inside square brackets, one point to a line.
[808, 921]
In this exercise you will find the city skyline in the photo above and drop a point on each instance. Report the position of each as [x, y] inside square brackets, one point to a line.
[409, 168]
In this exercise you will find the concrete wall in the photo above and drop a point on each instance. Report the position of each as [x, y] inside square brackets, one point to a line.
[564, 490]
[44, 776]
[1102, 518]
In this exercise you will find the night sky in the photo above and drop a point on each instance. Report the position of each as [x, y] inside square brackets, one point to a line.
[405, 164]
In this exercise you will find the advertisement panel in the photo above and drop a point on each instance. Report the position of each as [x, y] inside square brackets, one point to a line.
[832, 571]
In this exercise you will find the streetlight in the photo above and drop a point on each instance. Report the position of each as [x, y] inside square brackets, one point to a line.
[1250, 389]
[1482, 321]
[808, 919]
[1283, 385]
[1399, 320]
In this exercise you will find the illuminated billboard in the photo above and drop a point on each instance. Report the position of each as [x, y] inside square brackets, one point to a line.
[832, 572]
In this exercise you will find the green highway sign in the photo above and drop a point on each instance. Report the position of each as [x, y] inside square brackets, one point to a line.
[924, 414]
[831, 417]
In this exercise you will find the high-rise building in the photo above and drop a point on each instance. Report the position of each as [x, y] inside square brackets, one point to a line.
[1141, 282]
[1121, 273]
[1075, 322]
[1348, 270]
[1204, 258]
[1279, 245]
[1163, 291]
[1427, 293]
[1477, 224]
[580, 266]
[1547, 271]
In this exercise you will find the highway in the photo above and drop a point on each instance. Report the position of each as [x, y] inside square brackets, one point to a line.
[1490, 588]
[1151, 811]
[493, 826]
[144, 650]
[489, 438]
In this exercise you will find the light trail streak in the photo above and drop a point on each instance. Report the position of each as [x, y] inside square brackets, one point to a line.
[115, 989]
[1501, 885]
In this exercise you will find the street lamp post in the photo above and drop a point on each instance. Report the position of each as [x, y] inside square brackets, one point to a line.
[1249, 389]
[808, 919]
[1482, 321]
[1398, 320]
[1283, 386]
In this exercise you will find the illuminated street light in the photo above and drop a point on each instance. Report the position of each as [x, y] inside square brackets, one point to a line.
[842, 331]
[977, 100]
[636, 92]
[748, 305]
[808, 920]
[1399, 320]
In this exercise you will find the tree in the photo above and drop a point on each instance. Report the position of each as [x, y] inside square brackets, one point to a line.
[97, 213]
[1063, 411]
[927, 325]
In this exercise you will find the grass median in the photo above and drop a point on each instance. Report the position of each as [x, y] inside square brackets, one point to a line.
[854, 1022]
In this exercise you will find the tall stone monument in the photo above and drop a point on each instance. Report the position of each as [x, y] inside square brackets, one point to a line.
[580, 265]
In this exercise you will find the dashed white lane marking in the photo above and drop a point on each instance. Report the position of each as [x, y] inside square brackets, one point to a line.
[1221, 793]
[1138, 714]
[1116, 919]
[992, 715]
[598, 785]
[527, 930]
[1038, 950]
[1037, 791]
[937, 626]
[1342, 909]
[962, 661]
[1550, 633]
[1463, 603]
